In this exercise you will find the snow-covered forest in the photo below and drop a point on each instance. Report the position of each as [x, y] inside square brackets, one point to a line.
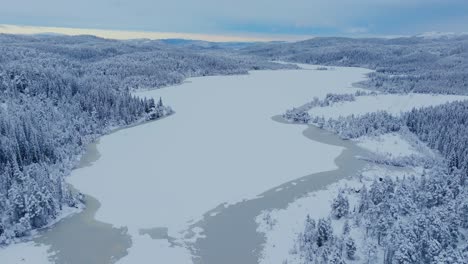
[403, 220]
[59, 93]
[406, 64]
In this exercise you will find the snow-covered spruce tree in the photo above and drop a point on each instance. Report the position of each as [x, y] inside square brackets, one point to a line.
[297, 115]
[324, 231]
[346, 228]
[340, 206]
[331, 98]
[350, 248]
[307, 241]
[159, 110]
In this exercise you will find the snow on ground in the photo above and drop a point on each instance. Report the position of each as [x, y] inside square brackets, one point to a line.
[220, 146]
[391, 145]
[25, 253]
[282, 227]
[372, 172]
[392, 103]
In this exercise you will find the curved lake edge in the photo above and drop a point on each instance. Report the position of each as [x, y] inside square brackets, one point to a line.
[62, 249]
[244, 243]
[213, 223]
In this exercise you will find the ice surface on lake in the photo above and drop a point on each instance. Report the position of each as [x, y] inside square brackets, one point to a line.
[220, 146]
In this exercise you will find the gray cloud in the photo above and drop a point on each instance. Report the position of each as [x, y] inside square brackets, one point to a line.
[211, 16]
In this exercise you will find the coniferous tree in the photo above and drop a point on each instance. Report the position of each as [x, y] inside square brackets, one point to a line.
[340, 206]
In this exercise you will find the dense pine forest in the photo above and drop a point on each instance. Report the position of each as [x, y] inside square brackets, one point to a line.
[404, 220]
[411, 219]
[406, 64]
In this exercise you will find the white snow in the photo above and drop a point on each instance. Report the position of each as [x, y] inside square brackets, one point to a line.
[220, 146]
[390, 145]
[282, 227]
[289, 222]
[393, 103]
[372, 172]
[25, 253]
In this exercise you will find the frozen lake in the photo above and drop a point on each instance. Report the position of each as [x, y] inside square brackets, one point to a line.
[221, 147]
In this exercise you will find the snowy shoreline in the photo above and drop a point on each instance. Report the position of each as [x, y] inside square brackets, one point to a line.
[283, 227]
[39, 252]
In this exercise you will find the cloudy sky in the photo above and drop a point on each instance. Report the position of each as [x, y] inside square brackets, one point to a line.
[252, 18]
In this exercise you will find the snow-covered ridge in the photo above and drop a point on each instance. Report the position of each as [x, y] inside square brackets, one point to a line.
[438, 34]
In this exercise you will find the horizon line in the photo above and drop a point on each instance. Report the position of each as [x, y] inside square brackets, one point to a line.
[156, 35]
[153, 35]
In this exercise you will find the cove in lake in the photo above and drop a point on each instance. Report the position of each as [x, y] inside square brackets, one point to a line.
[230, 234]
[79, 238]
